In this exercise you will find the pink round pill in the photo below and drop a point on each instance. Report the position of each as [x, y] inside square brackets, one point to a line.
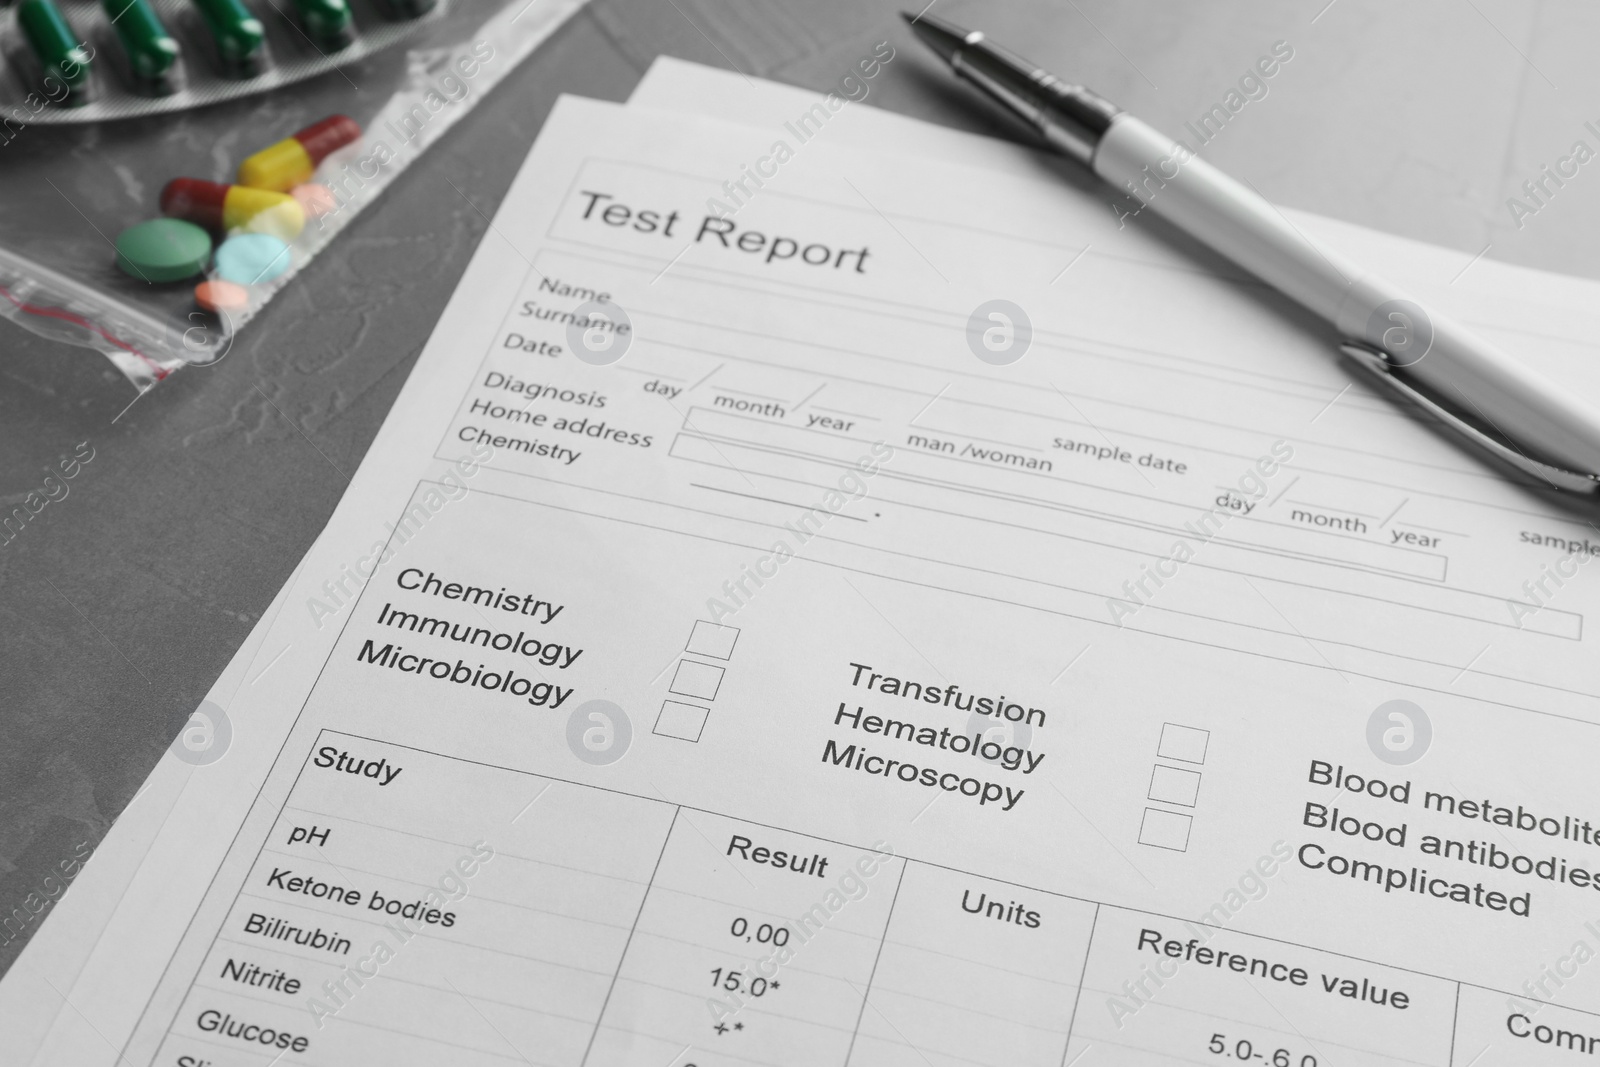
[317, 200]
[219, 295]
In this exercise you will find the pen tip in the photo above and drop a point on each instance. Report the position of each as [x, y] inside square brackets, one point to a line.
[945, 38]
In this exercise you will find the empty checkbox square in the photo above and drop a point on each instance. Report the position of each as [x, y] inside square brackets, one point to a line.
[1165, 829]
[1185, 743]
[1175, 785]
[712, 639]
[695, 679]
[683, 721]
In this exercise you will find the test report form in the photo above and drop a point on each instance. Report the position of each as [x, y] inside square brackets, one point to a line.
[895, 616]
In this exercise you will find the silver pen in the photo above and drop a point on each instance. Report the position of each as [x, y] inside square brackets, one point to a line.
[1467, 383]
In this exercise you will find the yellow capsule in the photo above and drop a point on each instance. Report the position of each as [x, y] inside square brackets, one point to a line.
[262, 211]
[294, 159]
[281, 167]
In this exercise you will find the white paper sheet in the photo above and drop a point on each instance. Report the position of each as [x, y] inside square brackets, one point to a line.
[1548, 319]
[799, 538]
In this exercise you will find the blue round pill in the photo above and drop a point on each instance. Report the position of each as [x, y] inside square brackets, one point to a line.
[252, 258]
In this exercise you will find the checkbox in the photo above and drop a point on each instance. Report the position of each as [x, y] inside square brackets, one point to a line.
[712, 639]
[695, 679]
[1165, 829]
[1185, 743]
[683, 721]
[1174, 785]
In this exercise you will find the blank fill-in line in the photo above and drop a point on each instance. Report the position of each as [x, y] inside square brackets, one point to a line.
[773, 500]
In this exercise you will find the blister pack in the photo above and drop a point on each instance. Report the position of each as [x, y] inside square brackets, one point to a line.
[170, 165]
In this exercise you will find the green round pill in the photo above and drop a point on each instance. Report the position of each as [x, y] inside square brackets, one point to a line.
[163, 250]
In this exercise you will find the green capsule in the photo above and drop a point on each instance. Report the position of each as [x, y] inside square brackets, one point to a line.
[150, 48]
[326, 22]
[238, 34]
[53, 42]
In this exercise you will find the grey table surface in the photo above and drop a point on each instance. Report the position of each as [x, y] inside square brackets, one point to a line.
[120, 605]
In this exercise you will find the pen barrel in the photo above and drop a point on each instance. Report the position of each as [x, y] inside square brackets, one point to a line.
[1486, 385]
[1463, 369]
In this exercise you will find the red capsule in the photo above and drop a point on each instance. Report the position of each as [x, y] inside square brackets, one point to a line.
[294, 159]
[233, 207]
[322, 139]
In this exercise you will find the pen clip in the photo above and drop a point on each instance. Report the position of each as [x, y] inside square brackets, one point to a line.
[1378, 362]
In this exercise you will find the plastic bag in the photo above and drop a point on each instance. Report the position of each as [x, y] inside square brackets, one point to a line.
[70, 189]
